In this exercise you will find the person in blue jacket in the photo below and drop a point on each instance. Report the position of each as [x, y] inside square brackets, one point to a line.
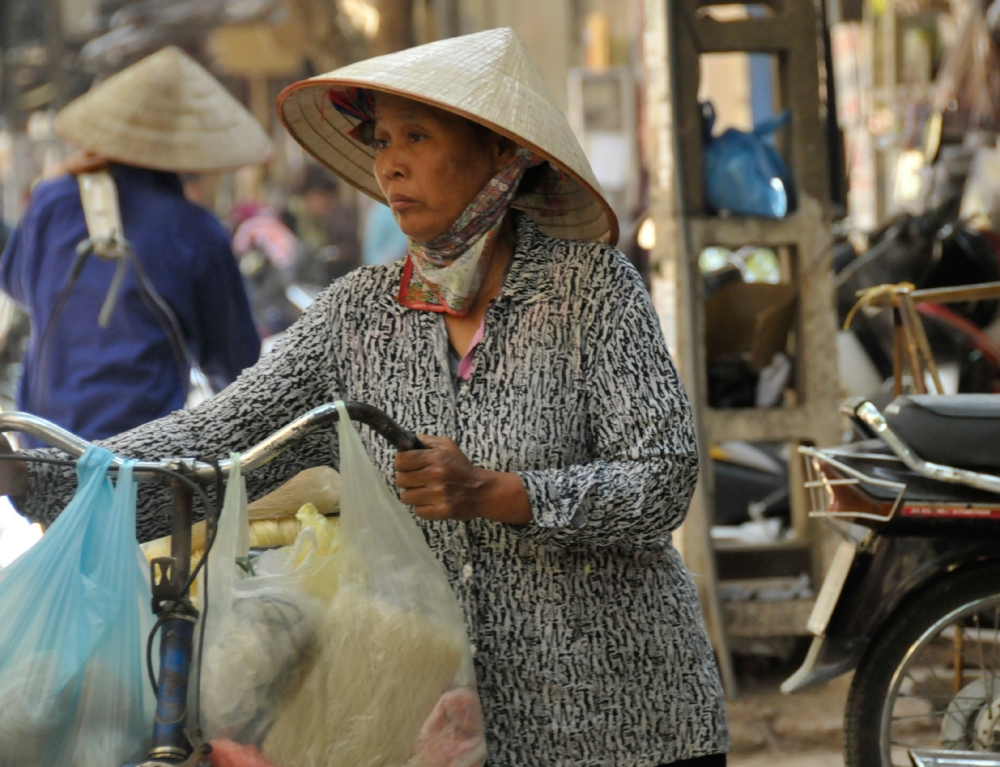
[99, 381]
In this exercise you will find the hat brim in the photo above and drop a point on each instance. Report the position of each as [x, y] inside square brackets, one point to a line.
[564, 204]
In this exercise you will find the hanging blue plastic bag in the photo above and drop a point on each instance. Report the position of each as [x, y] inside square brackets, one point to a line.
[76, 612]
[743, 173]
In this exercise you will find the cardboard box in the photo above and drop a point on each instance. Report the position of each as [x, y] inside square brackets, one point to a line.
[749, 321]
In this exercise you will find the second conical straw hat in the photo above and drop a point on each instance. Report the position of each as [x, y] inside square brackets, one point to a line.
[165, 112]
[487, 77]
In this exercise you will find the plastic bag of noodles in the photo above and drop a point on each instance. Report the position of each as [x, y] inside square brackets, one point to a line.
[75, 615]
[392, 682]
[261, 631]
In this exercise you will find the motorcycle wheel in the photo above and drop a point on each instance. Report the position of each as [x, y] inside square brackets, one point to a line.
[931, 676]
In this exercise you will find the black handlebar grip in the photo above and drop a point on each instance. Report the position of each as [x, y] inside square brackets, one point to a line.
[384, 426]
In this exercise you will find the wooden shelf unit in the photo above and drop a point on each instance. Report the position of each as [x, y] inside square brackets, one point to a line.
[680, 32]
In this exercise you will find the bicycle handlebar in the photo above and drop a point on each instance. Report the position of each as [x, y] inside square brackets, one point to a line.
[253, 458]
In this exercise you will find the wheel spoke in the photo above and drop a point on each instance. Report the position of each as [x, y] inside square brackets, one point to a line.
[979, 641]
[957, 721]
[958, 659]
[904, 717]
[938, 679]
[996, 638]
[927, 696]
[947, 712]
[959, 663]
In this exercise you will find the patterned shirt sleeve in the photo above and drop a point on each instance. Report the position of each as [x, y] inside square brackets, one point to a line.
[298, 375]
[638, 487]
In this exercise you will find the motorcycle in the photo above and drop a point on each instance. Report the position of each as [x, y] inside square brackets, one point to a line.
[911, 601]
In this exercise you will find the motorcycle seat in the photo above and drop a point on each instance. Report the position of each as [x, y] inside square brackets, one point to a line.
[959, 430]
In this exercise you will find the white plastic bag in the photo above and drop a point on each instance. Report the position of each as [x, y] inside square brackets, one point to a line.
[231, 547]
[393, 683]
[75, 615]
[260, 632]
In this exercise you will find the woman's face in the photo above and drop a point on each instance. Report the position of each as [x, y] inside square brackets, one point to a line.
[430, 163]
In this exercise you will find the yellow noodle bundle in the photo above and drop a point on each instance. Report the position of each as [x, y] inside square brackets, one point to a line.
[379, 673]
[274, 519]
[264, 533]
[267, 533]
[326, 532]
[319, 486]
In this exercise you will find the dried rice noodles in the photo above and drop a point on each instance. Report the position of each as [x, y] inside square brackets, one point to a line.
[377, 678]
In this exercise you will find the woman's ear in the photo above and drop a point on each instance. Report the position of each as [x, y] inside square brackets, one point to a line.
[504, 150]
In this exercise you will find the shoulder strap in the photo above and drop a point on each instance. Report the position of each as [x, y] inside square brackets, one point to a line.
[99, 196]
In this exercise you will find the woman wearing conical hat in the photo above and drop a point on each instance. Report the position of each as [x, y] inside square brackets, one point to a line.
[161, 116]
[562, 451]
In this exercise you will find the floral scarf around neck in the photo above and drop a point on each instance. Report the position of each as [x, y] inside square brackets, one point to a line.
[446, 273]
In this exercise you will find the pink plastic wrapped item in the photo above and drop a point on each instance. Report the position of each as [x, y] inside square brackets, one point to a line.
[452, 736]
[225, 753]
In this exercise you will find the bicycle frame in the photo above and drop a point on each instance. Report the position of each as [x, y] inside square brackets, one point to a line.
[170, 745]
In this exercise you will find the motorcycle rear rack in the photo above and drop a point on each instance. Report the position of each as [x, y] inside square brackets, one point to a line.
[818, 486]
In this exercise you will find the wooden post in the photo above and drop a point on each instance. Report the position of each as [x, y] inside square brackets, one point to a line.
[672, 292]
[446, 14]
[676, 38]
[395, 28]
[260, 99]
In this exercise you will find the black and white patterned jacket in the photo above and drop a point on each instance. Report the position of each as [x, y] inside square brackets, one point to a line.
[589, 642]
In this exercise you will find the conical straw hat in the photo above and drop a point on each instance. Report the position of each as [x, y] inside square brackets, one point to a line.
[487, 77]
[165, 112]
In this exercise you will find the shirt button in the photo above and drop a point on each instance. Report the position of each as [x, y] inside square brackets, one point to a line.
[466, 571]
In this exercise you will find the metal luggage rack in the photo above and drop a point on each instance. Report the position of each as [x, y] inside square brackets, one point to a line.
[819, 486]
[173, 741]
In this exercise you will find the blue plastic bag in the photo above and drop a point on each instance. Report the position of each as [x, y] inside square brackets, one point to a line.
[75, 615]
[743, 173]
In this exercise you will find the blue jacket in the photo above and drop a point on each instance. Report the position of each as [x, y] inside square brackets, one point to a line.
[100, 382]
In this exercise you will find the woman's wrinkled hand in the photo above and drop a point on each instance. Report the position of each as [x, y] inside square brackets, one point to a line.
[442, 483]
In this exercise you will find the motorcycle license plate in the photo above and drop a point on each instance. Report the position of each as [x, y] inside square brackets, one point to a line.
[833, 584]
